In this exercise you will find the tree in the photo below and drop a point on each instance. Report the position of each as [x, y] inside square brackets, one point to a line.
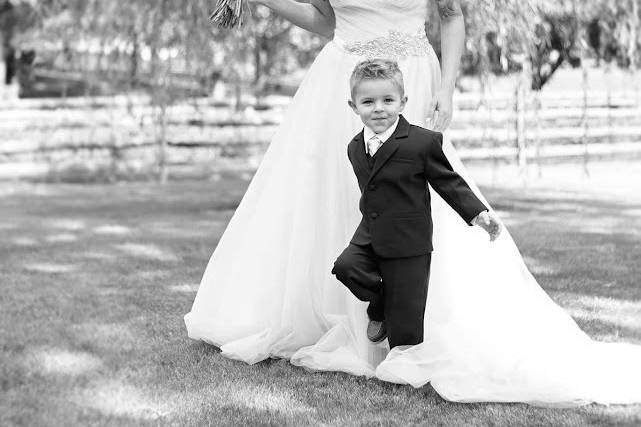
[613, 31]
[15, 17]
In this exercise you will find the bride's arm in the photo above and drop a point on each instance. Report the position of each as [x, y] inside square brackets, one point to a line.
[316, 16]
[452, 41]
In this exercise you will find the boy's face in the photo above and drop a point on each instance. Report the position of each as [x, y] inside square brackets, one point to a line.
[378, 102]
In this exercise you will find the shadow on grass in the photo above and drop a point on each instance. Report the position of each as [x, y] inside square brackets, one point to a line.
[108, 306]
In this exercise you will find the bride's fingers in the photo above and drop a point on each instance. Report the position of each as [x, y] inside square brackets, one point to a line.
[438, 125]
[434, 122]
[447, 121]
[431, 108]
[443, 121]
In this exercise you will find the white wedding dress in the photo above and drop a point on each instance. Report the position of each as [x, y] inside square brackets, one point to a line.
[491, 333]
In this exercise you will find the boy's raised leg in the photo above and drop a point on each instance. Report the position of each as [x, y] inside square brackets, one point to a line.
[357, 269]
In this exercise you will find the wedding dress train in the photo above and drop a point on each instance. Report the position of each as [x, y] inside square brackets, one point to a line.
[491, 332]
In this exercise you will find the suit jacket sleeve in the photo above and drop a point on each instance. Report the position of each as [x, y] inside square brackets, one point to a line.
[449, 184]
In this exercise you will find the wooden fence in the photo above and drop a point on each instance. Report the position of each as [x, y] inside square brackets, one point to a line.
[119, 135]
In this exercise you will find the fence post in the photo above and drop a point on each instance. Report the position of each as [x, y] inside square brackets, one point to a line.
[585, 123]
[536, 99]
[608, 95]
[519, 110]
[162, 155]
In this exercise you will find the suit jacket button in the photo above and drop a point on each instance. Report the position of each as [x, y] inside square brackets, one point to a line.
[373, 215]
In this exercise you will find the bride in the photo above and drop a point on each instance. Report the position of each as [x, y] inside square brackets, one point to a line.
[491, 332]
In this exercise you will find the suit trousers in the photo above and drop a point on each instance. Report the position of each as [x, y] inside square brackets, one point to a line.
[396, 289]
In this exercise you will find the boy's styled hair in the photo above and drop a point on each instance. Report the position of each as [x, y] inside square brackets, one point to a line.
[376, 69]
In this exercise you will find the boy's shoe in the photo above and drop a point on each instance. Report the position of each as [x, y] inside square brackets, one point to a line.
[376, 331]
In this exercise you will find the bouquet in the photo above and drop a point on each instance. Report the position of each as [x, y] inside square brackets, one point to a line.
[229, 13]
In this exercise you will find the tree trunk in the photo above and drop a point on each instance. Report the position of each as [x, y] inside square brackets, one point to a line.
[258, 69]
[9, 54]
[133, 71]
[160, 95]
[634, 35]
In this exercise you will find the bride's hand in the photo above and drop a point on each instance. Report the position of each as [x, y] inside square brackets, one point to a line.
[439, 113]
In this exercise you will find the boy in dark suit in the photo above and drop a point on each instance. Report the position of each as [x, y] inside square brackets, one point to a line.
[387, 262]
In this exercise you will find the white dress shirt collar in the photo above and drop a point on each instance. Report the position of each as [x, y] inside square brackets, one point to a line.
[383, 136]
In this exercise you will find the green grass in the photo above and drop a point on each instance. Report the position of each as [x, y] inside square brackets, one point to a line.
[95, 280]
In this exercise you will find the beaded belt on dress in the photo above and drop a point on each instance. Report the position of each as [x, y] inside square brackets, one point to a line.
[395, 45]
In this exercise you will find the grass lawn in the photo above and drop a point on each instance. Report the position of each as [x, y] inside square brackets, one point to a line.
[95, 280]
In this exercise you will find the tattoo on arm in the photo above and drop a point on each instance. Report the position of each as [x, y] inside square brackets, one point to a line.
[321, 5]
[448, 8]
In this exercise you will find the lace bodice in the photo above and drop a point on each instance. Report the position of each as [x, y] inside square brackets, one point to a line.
[363, 20]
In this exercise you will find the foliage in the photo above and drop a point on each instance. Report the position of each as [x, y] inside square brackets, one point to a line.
[504, 34]
[613, 31]
[145, 41]
[15, 17]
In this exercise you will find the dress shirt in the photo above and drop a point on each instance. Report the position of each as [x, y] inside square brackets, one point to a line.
[383, 136]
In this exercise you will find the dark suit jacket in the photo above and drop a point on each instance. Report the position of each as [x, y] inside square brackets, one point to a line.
[395, 200]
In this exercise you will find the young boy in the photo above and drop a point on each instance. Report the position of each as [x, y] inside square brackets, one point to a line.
[387, 262]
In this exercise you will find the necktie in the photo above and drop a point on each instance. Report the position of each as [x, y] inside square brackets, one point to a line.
[373, 145]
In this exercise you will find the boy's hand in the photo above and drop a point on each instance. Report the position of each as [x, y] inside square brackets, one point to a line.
[490, 223]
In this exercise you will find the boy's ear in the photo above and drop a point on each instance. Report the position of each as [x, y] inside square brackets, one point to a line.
[352, 105]
[403, 102]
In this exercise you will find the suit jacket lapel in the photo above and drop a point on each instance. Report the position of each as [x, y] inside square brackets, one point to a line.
[390, 146]
[358, 151]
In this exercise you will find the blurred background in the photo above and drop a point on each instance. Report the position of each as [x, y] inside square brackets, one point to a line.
[125, 90]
